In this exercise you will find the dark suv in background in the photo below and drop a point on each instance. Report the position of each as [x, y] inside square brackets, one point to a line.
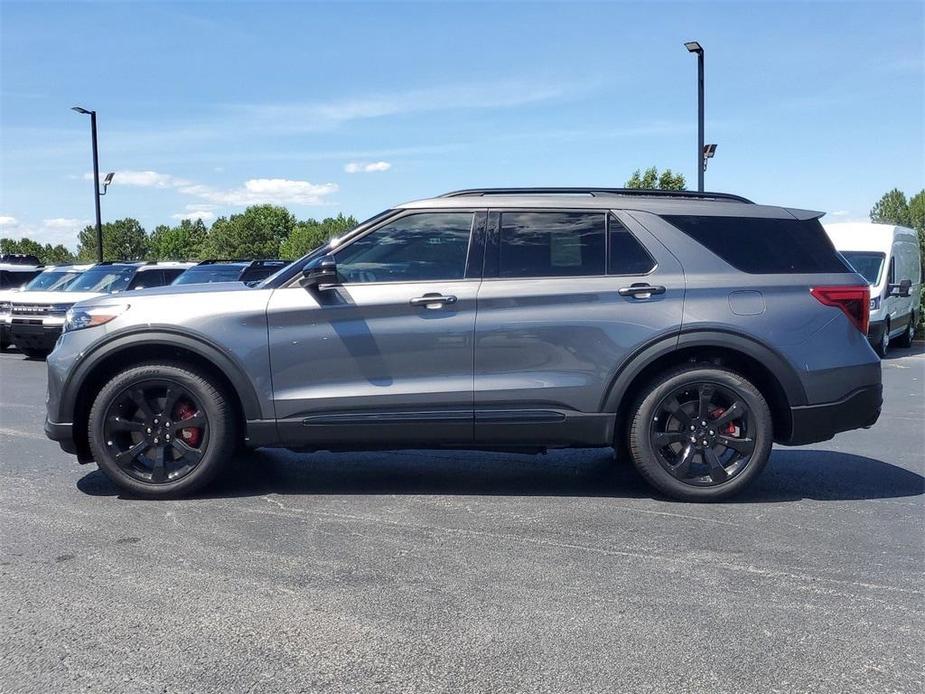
[247, 271]
[688, 331]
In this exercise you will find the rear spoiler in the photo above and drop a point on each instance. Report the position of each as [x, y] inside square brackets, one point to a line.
[804, 215]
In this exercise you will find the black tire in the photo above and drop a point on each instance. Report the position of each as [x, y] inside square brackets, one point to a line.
[883, 346]
[146, 454]
[673, 401]
[905, 340]
[32, 353]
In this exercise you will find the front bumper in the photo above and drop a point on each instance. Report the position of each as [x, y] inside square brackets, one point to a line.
[63, 433]
[814, 423]
[34, 336]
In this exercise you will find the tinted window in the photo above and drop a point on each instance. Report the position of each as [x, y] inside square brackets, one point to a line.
[148, 278]
[627, 256]
[416, 248]
[765, 246]
[866, 264]
[205, 274]
[12, 279]
[551, 244]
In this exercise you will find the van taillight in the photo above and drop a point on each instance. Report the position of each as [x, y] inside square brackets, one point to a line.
[854, 301]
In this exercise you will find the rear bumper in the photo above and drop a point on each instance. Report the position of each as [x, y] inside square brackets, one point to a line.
[814, 423]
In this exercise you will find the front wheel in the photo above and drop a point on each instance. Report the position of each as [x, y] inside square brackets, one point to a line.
[905, 340]
[161, 430]
[701, 433]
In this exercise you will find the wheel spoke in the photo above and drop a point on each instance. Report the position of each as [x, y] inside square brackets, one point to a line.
[684, 464]
[717, 471]
[705, 397]
[122, 424]
[128, 456]
[158, 472]
[170, 401]
[665, 438]
[744, 445]
[676, 411]
[196, 421]
[735, 410]
[138, 397]
[189, 454]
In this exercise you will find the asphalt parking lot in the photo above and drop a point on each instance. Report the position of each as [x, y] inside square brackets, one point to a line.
[421, 571]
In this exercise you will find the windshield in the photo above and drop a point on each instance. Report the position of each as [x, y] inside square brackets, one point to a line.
[209, 273]
[867, 264]
[52, 281]
[104, 280]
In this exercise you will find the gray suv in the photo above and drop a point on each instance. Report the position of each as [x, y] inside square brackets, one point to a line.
[687, 331]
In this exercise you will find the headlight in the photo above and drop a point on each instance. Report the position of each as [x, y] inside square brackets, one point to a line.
[6, 307]
[875, 303]
[79, 317]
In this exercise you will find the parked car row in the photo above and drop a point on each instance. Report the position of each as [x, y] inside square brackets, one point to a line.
[35, 299]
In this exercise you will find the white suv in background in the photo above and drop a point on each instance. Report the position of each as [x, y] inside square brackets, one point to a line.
[36, 318]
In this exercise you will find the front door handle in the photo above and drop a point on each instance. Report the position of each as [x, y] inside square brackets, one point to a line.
[433, 300]
[641, 290]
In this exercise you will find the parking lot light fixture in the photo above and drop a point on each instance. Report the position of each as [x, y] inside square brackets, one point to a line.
[96, 179]
[695, 47]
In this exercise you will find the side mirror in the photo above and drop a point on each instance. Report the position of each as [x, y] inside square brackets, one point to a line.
[903, 289]
[322, 272]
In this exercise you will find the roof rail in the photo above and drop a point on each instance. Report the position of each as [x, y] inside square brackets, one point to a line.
[593, 192]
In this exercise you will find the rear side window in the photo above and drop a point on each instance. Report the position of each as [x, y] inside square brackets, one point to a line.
[627, 256]
[551, 244]
[764, 246]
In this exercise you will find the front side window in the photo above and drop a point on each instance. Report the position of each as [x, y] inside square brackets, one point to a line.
[416, 248]
[551, 244]
[206, 274]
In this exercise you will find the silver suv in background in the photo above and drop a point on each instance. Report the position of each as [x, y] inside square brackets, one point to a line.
[688, 331]
[49, 279]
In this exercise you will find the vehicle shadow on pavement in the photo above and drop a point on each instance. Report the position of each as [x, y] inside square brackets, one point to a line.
[792, 475]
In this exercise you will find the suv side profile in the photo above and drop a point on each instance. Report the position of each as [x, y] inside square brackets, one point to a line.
[688, 331]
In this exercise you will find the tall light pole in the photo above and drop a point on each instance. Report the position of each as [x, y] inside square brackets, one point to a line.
[96, 180]
[695, 47]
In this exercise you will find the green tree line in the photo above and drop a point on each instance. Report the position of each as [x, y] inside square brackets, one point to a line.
[261, 231]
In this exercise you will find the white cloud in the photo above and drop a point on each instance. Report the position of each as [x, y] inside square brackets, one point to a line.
[55, 230]
[278, 191]
[144, 179]
[370, 167]
[7, 221]
[65, 223]
[193, 215]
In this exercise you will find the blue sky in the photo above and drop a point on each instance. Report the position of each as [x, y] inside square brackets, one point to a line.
[346, 107]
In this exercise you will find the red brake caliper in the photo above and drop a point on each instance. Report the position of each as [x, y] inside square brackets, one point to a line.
[729, 429]
[191, 435]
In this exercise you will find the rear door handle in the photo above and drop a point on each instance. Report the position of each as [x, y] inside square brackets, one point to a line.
[641, 290]
[433, 300]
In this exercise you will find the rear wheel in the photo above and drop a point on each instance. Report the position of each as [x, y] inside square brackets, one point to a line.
[905, 340]
[161, 430]
[701, 433]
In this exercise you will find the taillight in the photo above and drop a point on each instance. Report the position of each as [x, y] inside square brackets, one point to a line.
[854, 301]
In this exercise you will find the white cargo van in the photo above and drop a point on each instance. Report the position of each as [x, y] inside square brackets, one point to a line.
[888, 258]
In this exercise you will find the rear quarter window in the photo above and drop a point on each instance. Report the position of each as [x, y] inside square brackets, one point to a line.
[764, 246]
